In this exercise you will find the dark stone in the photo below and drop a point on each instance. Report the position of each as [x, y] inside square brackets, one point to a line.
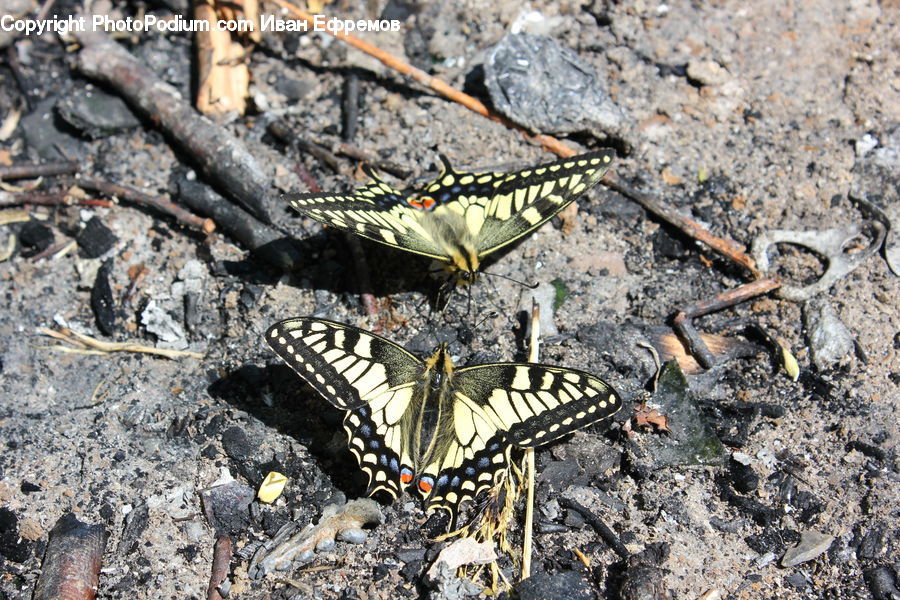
[410, 555]
[873, 544]
[380, 571]
[46, 133]
[250, 295]
[210, 452]
[723, 525]
[809, 506]
[743, 477]
[882, 583]
[567, 585]
[613, 205]
[410, 571]
[227, 507]
[27, 487]
[797, 580]
[668, 246]
[240, 448]
[102, 302]
[189, 552]
[643, 576]
[772, 540]
[95, 239]
[293, 88]
[562, 473]
[135, 525]
[191, 310]
[35, 236]
[95, 113]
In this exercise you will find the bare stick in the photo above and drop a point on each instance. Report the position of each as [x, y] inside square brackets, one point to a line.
[156, 202]
[534, 350]
[599, 526]
[727, 248]
[682, 322]
[220, 567]
[71, 567]
[41, 170]
[261, 239]
[223, 158]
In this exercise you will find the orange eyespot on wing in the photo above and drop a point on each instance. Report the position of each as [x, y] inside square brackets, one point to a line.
[425, 485]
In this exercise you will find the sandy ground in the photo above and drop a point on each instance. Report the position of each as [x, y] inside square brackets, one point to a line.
[748, 117]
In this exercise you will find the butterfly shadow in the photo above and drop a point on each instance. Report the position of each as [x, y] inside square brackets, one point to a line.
[292, 408]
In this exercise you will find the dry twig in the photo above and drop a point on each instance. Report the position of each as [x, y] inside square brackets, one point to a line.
[85, 344]
[158, 203]
[42, 170]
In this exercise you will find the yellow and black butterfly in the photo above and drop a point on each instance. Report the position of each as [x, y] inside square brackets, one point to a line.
[459, 218]
[445, 431]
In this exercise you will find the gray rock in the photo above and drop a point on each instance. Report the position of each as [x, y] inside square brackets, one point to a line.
[45, 134]
[547, 88]
[96, 113]
[812, 544]
[828, 337]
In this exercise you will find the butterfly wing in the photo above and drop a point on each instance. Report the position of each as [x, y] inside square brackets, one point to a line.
[525, 200]
[375, 211]
[509, 404]
[374, 380]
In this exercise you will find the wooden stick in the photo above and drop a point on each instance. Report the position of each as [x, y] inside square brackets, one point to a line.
[534, 351]
[39, 170]
[225, 160]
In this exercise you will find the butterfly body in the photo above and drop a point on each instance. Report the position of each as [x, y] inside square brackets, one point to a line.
[460, 218]
[426, 424]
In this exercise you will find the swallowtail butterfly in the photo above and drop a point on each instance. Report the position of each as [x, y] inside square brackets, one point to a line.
[426, 424]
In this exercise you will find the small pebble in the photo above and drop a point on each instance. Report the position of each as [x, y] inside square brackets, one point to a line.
[764, 560]
[829, 339]
[325, 544]
[743, 477]
[352, 536]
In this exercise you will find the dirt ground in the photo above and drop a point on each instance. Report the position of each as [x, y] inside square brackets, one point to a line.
[747, 117]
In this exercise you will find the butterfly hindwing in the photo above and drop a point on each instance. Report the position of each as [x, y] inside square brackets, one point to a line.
[376, 211]
[510, 404]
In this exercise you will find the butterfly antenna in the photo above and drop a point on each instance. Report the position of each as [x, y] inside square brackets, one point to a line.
[531, 286]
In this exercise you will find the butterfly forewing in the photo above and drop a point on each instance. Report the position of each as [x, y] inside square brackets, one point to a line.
[376, 211]
[527, 199]
[373, 379]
